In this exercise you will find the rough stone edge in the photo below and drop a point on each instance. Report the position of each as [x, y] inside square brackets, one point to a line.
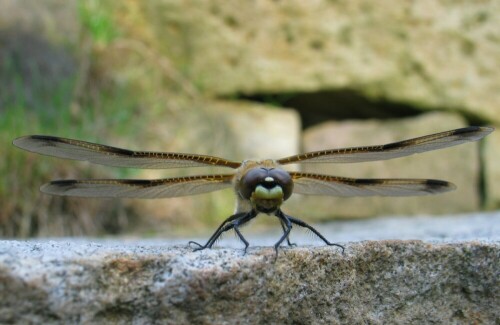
[171, 283]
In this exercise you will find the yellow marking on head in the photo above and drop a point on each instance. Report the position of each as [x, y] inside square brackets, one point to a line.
[267, 194]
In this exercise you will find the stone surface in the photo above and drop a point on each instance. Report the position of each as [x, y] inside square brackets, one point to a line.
[447, 278]
[56, 20]
[459, 165]
[437, 54]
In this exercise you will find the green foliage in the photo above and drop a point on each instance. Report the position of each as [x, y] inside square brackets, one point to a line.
[34, 103]
[97, 21]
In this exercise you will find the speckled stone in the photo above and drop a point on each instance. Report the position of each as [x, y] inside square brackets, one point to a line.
[442, 279]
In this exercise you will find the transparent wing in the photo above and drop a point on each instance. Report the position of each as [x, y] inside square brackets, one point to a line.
[111, 156]
[139, 188]
[316, 184]
[392, 150]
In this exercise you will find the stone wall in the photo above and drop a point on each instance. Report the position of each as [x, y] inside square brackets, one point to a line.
[424, 57]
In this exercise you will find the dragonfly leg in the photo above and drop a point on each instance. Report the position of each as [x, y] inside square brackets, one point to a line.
[241, 221]
[218, 232]
[301, 223]
[233, 222]
[287, 225]
[213, 238]
[288, 237]
[241, 237]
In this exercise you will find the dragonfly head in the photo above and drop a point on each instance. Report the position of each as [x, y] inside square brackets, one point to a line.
[266, 188]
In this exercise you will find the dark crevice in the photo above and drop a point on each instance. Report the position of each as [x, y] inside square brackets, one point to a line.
[471, 118]
[317, 107]
[344, 104]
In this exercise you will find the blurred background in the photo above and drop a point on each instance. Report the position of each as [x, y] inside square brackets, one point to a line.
[243, 79]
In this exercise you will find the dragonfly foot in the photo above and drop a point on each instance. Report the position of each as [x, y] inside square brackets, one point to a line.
[338, 245]
[199, 248]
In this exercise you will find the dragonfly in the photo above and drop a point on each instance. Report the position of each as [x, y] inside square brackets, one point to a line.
[260, 186]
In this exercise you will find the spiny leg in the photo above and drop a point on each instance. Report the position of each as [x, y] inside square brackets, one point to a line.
[232, 222]
[305, 225]
[239, 222]
[241, 237]
[288, 237]
[288, 225]
[215, 237]
[218, 232]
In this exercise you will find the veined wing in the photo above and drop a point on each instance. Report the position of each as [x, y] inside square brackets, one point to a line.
[392, 150]
[139, 188]
[111, 156]
[316, 184]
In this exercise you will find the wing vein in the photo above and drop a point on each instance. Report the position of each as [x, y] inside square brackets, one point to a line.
[317, 184]
[139, 188]
[392, 150]
[117, 157]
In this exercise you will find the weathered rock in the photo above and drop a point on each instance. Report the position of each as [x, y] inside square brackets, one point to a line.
[459, 165]
[259, 131]
[56, 20]
[380, 282]
[34, 65]
[441, 55]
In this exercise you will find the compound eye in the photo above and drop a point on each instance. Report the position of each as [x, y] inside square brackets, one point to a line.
[284, 180]
[250, 180]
